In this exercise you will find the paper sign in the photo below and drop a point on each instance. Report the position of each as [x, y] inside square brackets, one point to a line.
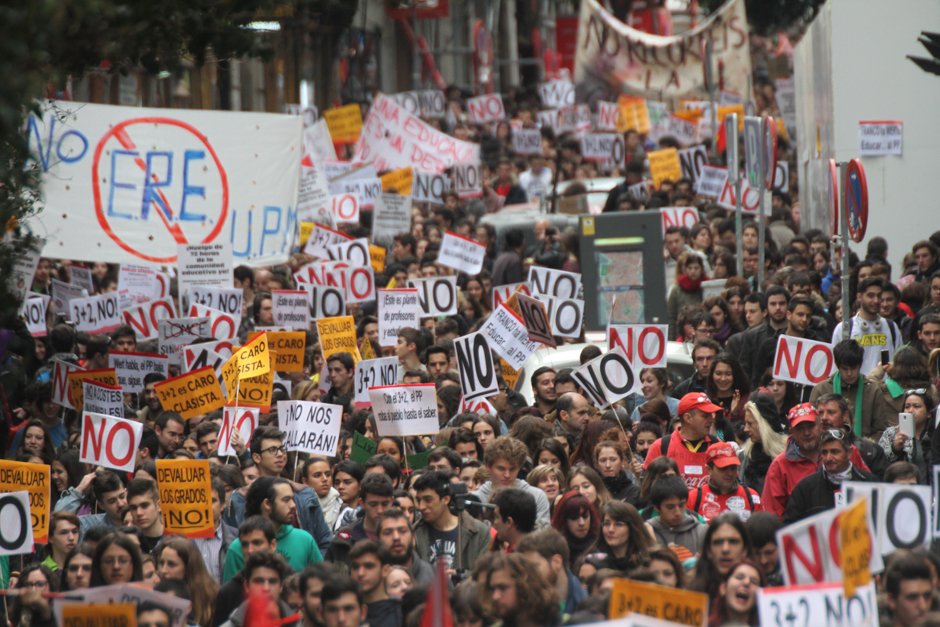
[103, 399]
[644, 344]
[16, 533]
[391, 217]
[325, 301]
[678, 216]
[253, 358]
[222, 326]
[803, 361]
[437, 296]
[880, 138]
[96, 314]
[527, 141]
[818, 604]
[225, 299]
[398, 181]
[486, 108]
[607, 115]
[345, 208]
[475, 365]
[639, 191]
[81, 276]
[76, 614]
[380, 372]
[131, 368]
[377, 256]
[175, 333]
[287, 350]
[900, 515]
[602, 146]
[204, 264]
[110, 441]
[692, 160]
[36, 481]
[712, 181]
[365, 190]
[338, 335]
[344, 123]
[430, 187]
[673, 604]
[186, 497]
[634, 115]
[557, 93]
[253, 392]
[291, 308]
[241, 419]
[136, 284]
[398, 309]
[132, 593]
[311, 428]
[23, 270]
[608, 378]
[321, 238]
[360, 284]
[76, 379]
[468, 179]
[145, 317]
[63, 294]
[61, 386]
[664, 165]
[536, 320]
[353, 253]
[403, 410]
[34, 312]
[508, 336]
[554, 282]
[856, 547]
[191, 394]
[566, 315]
[461, 254]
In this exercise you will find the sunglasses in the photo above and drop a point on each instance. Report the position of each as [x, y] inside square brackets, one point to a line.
[918, 391]
[836, 434]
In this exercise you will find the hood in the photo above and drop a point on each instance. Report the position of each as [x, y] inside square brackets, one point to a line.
[688, 523]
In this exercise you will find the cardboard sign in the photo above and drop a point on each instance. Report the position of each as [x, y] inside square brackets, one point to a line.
[901, 515]
[131, 368]
[398, 181]
[225, 299]
[880, 138]
[818, 604]
[437, 296]
[508, 336]
[61, 388]
[430, 187]
[365, 189]
[344, 123]
[566, 315]
[607, 378]
[36, 481]
[391, 216]
[803, 361]
[398, 309]
[468, 179]
[175, 333]
[191, 394]
[241, 419]
[321, 238]
[252, 392]
[103, 399]
[856, 547]
[77, 379]
[222, 326]
[644, 344]
[76, 614]
[204, 264]
[338, 335]
[527, 141]
[81, 276]
[372, 373]
[145, 318]
[360, 284]
[310, 427]
[34, 312]
[536, 320]
[325, 301]
[633, 115]
[502, 293]
[63, 294]
[692, 160]
[23, 270]
[607, 114]
[96, 314]
[475, 364]
[554, 282]
[679, 216]
[486, 108]
[461, 253]
[664, 165]
[110, 441]
[253, 358]
[287, 350]
[711, 181]
[186, 497]
[199, 356]
[683, 607]
[557, 93]
[403, 410]
[291, 308]
[16, 532]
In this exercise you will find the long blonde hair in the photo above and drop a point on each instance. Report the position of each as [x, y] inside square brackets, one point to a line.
[772, 442]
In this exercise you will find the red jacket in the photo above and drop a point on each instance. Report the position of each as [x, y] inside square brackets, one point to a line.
[709, 505]
[691, 465]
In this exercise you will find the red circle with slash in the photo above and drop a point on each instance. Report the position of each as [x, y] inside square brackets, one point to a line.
[119, 133]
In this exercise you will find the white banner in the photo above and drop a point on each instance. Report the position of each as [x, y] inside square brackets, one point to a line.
[96, 314]
[371, 373]
[110, 441]
[241, 419]
[103, 399]
[398, 309]
[131, 368]
[310, 427]
[508, 336]
[403, 410]
[461, 254]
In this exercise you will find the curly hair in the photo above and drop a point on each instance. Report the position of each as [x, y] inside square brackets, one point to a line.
[508, 448]
[534, 595]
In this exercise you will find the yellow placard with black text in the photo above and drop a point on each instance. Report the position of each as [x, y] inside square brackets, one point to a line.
[287, 350]
[254, 392]
[856, 547]
[186, 497]
[254, 359]
[377, 257]
[399, 181]
[338, 335]
[664, 165]
[37, 480]
[663, 602]
[108, 376]
[345, 123]
[85, 615]
[192, 394]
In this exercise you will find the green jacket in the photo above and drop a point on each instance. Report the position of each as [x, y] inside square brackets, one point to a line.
[475, 540]
[294, 545]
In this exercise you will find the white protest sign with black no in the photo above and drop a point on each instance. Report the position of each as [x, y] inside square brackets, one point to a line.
[241, 419]
[486, 108]
[692, 160]
[432, 103]
[96, 314]
[321, 238]
[475, 364]
[640, 190]
[608, 378]
[508, 336]
[360, 284]
[110, 441]
[101, 398]
[371, 373]
[557, 93]
[291, 308]
[226, 299]
[461, 253]
[902, 514]
[554, 282]
[310, 427]
[353, 253]
[429, 186]
[437, 296]
[566, 314]
[468, 179]
[325, 301]
[527, 141]
[803, 361]
[34, 312]
[536, 320]
[819, 604]
[398, 309]
[390, 217]
[16, 524]
[597, 146]
[402, 410]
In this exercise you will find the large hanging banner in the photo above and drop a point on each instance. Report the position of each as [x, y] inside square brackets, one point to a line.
[129, 185]
[628, 60]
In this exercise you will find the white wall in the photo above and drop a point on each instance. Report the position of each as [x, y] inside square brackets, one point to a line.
[873, 80]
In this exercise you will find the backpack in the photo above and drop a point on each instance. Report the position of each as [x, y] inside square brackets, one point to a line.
[748, 500]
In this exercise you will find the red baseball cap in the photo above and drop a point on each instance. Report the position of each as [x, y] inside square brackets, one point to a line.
[804, 412]
[722, 454]
[697, 400]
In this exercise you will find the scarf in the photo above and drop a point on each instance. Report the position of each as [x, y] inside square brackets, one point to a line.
[837, 389]
[838, 477]
[688, 284]
[759, 463]
[722, 334]
[579, 546]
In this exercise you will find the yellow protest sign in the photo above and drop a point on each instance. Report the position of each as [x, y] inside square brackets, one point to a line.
[735, 108]
[338, 335]
[82, 615]
[254, 359]
[230, 376]
[649, 599]
[689, 115]
[254, 392]
[377, 256]
[306, 228]
[366, 349]
[664, 165]
[856, 547]
[344, 123]
[398, 181]
[287, 350]
[186, 497]
[192, 394]
[76, 379]
[633, 115]
[510, 375]
[37, 480]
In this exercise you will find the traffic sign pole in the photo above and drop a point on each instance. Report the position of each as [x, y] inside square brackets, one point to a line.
[761, 220]
[731, 153]
[846, 304]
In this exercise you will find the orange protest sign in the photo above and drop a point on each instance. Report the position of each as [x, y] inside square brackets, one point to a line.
[633, 115]
[306, 228]
[649, 599]
[37, 480]
[108, 376]
[230, 376]
[83, 615]
[737, 108]
[856, 547]
[377, 257]
[689, 115]
[254, 359]
[344, 123]
[398, 181]
[287, 350]
[664, 165]
[338, 335]
[191, 394]
[510, 375]
[254, 392]
[186, 497]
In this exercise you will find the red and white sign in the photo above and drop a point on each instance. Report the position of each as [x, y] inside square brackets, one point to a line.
[100, 398]
[34, 312]
[644, 344]
[96, 314]
[502, 293]
[803, 361]
[241, 419]
[110, 441]
[144, 318]
[198, 356]
[461, 253]
[131, 368]
[557, 93]
[679, 216]
[478, 406]
[486, 108]
[345, 208]
[360, 284]
[353, 253]
[222, 326]
[61, 390]
[607, 113]
[321, 238]
[750, 196]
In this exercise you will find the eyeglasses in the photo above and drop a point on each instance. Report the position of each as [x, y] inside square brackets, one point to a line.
[919, 391]
[836, 434]
[274, 450]
[121, 561]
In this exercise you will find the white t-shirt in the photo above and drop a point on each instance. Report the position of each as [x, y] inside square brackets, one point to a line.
[536, 185]
[874, 337]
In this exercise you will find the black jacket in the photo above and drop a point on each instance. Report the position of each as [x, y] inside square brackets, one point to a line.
[385, 613]
[692, 384]
[753, 338]
[815, 494]
[230, 596]
[873, 455]
[621, 488]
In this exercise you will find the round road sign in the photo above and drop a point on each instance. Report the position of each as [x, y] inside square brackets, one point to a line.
[856, 200]
[833, 197]
[770, 152]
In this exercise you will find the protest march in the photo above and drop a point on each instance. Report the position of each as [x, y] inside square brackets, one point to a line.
[568, 347]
